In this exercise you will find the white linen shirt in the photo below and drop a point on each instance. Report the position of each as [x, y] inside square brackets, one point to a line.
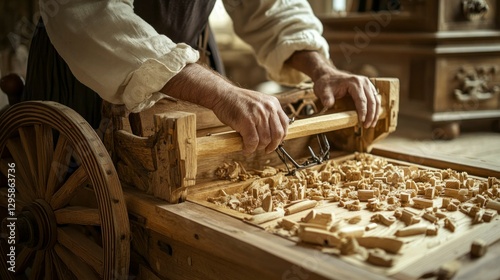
[121, 57]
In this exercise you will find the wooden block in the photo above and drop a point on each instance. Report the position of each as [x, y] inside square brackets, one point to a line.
[351, 231]
[422, 203]
[451, 192]
[404, 197]
[265, 217]
[478, 248]
[492, 204]
[411, 230]
[364, 195]
[319, 237]
[267, 203]
[409, 217]
[391, 245]
[288, 224]
[430, 193]
[387, 221]
[449, 224]
[489, 215]
[300, 206]
[379, 258]
[452, 183]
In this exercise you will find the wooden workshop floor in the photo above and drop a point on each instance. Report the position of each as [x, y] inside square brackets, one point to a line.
[475, 143]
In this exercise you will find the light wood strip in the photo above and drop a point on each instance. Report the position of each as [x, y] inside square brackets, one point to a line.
[232, 141]
[66, 192]
[78, 215]
[87, 250]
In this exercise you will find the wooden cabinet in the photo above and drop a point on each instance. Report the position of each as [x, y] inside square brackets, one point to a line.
[445, 53]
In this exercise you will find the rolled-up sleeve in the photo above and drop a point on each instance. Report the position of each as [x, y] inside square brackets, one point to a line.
[113, 51]
[275, 29]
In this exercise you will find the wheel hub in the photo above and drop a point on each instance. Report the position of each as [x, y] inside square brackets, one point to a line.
[35, 227]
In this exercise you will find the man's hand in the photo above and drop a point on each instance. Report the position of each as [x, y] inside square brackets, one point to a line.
[334, 84]
[258, 117]
[331, 84]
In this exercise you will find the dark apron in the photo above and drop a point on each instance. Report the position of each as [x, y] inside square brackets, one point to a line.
[48, 77]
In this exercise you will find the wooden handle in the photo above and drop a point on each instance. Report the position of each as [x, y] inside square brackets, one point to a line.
[232, 141]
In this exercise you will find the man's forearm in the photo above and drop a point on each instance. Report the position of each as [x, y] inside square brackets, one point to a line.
[310, 63]
[198, 85]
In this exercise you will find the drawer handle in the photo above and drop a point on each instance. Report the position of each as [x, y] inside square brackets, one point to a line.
[474, 9]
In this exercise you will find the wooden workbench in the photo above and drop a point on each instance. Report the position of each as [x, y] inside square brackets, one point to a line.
[191, 241]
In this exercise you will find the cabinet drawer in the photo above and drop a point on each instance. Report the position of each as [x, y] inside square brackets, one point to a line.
[469, 83]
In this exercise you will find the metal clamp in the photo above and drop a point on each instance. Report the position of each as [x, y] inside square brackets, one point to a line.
[324, 154]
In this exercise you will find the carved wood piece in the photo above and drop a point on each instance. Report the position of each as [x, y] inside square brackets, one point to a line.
[176, 151]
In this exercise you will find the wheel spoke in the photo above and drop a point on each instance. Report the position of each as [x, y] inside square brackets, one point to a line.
[66, 192]
[75, 241]
[4, 202]
[49, 265]
[28, 141]
[24, 184]
[86, 197]
[62, 271]
[38, 266]
[80, 269]
[44, 148]
[59, 166]
[78, 215]
[24, 258]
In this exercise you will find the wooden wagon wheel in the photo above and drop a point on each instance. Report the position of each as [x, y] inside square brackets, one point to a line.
[70, 216]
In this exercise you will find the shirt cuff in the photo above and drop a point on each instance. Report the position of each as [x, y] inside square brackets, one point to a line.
[143, 85]
[275, 65]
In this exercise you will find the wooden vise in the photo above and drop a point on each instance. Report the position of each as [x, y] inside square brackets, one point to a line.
[172, 147]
